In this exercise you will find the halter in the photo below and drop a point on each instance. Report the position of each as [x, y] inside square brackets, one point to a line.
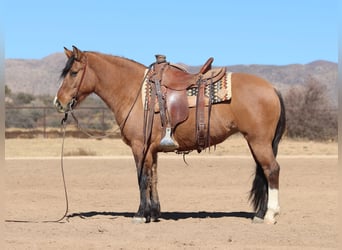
[73, 100]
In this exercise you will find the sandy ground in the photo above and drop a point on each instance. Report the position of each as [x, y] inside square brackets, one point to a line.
[204, 205]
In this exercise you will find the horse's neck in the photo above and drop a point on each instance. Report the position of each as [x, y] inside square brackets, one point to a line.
[118, 84]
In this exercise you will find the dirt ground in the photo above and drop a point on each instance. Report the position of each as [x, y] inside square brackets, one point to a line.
[234, 145]
[204, 205]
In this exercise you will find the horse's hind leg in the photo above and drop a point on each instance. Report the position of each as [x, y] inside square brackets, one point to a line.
[264, 193]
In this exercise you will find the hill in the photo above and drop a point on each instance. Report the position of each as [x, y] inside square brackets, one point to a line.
[41, 77]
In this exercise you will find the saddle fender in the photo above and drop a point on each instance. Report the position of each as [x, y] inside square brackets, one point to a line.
[177, 104]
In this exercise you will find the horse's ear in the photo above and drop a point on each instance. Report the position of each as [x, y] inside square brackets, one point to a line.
[67, 52]
[78, 54]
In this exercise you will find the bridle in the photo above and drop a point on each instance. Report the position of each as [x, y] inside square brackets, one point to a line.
[74, 100]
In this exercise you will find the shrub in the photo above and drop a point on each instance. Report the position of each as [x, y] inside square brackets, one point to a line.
[23, 98]
[310, 113]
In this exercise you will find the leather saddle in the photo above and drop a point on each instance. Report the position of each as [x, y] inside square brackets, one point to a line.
[171, 84]
[176, 82]
[176, 78]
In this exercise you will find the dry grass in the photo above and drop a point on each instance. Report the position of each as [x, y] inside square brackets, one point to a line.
[80, 152]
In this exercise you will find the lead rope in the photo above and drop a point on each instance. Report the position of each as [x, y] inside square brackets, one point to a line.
[63, 127]
[65, 215]
[84, 131]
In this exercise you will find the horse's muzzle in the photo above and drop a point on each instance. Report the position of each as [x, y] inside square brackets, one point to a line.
[63, 109]
[58, 105]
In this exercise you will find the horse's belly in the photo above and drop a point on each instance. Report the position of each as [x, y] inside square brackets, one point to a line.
[221, 126]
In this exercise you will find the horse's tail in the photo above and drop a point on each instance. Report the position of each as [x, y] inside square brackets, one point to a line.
[259, 191]
[280, 126]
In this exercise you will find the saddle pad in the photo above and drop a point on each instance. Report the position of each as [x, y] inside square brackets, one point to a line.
[221, 90]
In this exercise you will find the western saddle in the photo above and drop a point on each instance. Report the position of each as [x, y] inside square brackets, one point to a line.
[169, 83]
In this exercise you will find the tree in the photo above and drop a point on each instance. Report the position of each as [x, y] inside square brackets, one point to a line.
[8, 91]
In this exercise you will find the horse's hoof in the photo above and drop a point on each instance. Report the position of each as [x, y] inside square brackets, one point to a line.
[270, 217]
[155, 219]
[139, 220]
[270, 221]
[258, 220]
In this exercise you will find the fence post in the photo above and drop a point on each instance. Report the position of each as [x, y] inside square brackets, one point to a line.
[44, 121]
[103, 121]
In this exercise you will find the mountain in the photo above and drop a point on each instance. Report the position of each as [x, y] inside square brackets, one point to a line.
[41, 77]
[37, 77]
[286, 76]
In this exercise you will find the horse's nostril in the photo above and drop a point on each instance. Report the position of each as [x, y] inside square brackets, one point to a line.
[58, 105]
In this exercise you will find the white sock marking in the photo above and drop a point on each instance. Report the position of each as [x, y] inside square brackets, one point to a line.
[273, 202]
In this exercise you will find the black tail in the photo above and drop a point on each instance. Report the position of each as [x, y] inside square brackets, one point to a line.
[259, 191]
[280, 126]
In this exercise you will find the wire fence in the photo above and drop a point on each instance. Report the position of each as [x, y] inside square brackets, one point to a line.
[41, 121]
[45, 121]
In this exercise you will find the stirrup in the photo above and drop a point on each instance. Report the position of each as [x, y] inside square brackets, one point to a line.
[167, 144]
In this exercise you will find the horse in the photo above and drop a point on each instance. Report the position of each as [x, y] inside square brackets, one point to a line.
[256, 110]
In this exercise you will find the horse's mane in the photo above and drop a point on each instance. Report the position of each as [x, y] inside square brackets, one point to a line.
[67, 66]
[110, 58]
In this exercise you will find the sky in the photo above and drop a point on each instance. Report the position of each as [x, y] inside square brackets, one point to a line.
[233, 32]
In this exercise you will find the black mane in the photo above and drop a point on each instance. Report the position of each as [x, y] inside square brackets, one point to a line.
[68, 66]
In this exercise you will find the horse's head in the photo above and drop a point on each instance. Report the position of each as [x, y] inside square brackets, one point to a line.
[77, 81]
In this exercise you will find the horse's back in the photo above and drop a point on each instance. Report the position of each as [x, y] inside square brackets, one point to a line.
[247, 81]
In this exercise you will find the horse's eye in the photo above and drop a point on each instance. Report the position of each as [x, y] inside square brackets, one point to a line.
[73, 73]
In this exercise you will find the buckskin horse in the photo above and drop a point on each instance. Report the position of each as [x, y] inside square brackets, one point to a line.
[256, 110]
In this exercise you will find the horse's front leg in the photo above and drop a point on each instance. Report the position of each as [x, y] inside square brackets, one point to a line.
[149, 207]
[155, 205]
